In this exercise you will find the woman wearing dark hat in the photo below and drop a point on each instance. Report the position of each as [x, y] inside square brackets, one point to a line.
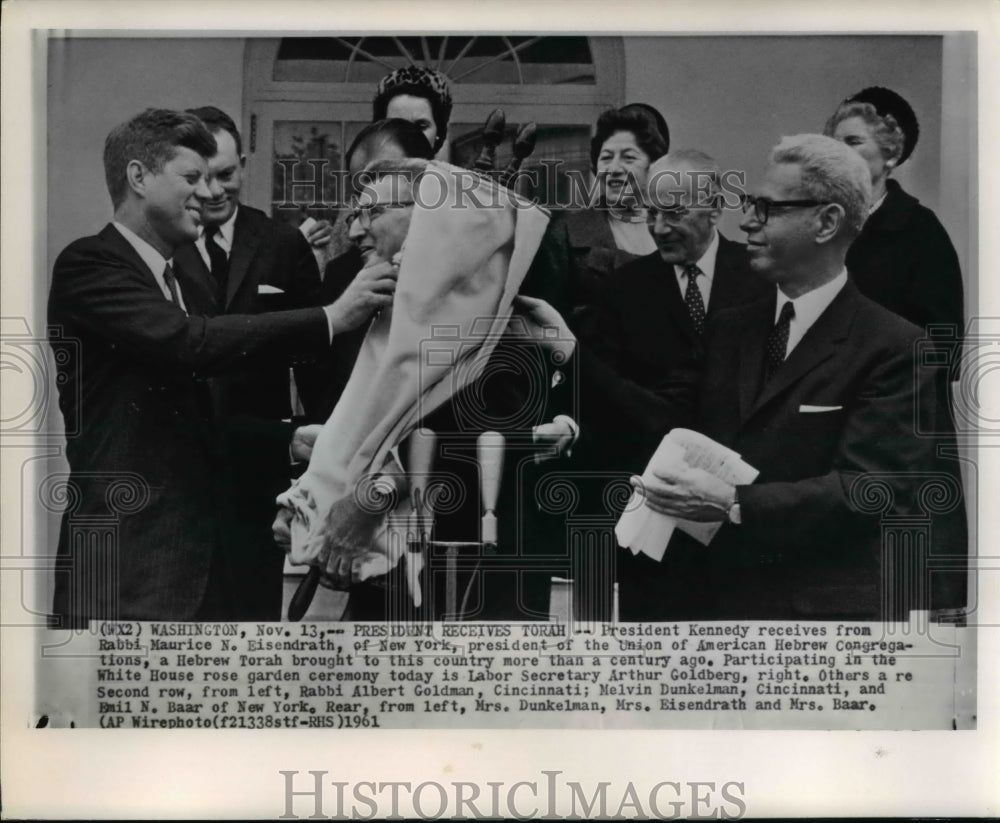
[613, 230]
[419, 95]
[903, 257]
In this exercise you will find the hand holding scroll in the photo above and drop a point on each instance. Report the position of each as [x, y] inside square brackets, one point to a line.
[688, 493]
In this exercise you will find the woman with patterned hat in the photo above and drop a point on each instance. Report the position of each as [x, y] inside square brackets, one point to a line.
[419, 95]
[903, 257]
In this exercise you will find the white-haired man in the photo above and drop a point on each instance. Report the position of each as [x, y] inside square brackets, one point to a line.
[654, 317]
[816, 387]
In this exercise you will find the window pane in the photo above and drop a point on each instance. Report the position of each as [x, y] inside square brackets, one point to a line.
[306, 176]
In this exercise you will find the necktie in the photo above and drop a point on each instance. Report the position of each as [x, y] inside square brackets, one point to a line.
[777, 340]
[171, 280]
[219, 262]
[693, 299]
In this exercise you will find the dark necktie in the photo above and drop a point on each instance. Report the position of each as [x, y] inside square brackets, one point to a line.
[777, 340]
[171, 280]
[692, 298]
[219, 262]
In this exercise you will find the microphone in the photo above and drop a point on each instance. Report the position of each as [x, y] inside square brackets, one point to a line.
[489, 448]
[419, 458]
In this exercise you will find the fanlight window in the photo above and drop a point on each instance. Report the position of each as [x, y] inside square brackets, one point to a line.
[464, 59]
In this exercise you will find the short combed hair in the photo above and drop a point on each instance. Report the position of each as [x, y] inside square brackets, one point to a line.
[641, 126]
[888, 134]
[831, 172]
[403, 134]
[408, 169]
[152, 138]
[217, 120]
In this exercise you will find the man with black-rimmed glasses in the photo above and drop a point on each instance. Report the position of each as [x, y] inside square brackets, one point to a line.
[817, 387]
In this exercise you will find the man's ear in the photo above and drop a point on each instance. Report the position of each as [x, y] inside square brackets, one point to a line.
[243, 161]
[831, 219]
[138, 176]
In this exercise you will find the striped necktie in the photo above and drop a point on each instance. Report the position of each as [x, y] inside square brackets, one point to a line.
[171, 280]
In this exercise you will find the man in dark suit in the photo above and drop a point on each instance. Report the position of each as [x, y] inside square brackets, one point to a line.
[140, 535]
[651, 323]
[654, 317]
[250, 264]
[816, 387]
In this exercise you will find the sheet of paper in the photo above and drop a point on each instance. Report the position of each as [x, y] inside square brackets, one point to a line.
[640, 529]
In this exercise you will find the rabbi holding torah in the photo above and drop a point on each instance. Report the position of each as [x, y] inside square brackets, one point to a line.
[445, 252]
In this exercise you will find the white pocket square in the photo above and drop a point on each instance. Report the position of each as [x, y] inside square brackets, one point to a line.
[266, 289]
[817, 409]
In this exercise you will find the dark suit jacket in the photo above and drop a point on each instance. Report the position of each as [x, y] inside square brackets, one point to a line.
[644, 331]
[904, 260]
[812, 542]
[141, 428]
[255, 402]
[265, 253]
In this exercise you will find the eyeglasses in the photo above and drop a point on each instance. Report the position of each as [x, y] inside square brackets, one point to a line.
[365, 214]
[762, 205]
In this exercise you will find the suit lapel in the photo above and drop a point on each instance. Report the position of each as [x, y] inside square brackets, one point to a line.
[657, 290]
[725, 283]
[675, 301]
[751, 355]
[820, 343]
[114, 238]
[245, 242]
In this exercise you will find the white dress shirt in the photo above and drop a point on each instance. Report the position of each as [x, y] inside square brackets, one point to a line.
[223, 239]
[808, 308]
[152, 258]
[707, 265]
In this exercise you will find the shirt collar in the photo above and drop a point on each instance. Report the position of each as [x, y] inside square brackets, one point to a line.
[225, 229]
[150, 256]
[877, 203]
[706, 262]
[809, 306]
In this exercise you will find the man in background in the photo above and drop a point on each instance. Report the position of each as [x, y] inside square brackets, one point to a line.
[252, 264]
[654, 318]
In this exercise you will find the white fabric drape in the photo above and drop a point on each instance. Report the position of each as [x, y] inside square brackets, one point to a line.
[469, 247]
